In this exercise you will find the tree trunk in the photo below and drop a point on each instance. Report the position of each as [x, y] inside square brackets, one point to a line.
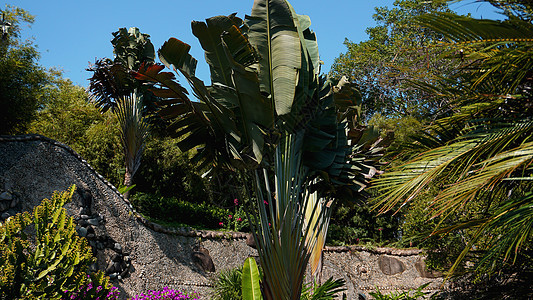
[128, 181]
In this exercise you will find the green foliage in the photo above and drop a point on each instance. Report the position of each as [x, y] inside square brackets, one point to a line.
[172, 209]
[397, 52]
[357, 223]
[268, 107]
[111, 80]
[70, 119]
[42, 257]
[228, 285]
[324, 291]
[251, 290]
[406, 295]
[22, 80]
[168, 172]
[477, 161]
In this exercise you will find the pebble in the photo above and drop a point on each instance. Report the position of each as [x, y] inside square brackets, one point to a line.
[93, 222]
[6, 196]
[82, 231]
[5, 215]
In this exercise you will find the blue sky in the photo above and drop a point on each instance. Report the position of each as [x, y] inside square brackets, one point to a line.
[70, 34]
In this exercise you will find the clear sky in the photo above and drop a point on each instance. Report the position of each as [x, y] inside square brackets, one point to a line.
[71, 33]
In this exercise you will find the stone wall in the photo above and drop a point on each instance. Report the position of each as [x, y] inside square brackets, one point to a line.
[139, 255]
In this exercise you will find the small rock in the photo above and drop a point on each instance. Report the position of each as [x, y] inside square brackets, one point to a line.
[118, 247]
[6, 196]
[82, 231]
[119, 277]
[93, 222]
[84, 217]
[250, 241]
[83, 223]
[14, 202]
[5, 215]
[116, 258]
[113, 275]
[84, 211]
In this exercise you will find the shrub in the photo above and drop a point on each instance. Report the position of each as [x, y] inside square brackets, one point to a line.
[227, 285]
[175, 210]
[354, 223]
[165, 294]
[42, 257]
[166, 171]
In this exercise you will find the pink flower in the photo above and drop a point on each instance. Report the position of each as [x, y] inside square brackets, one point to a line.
[236, 201]
[220, 224]
[380, 229]
[265, 202]
[239, 219]
[230, 216]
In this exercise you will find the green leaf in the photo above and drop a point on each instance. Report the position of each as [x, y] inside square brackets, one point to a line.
[251, 289]
[274, 34]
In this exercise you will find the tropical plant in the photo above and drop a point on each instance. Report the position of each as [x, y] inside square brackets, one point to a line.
[269, 113]
[244, 283]
[482, 154]
[250, 277]
[112, 87]
[50, 264]
[228, 285]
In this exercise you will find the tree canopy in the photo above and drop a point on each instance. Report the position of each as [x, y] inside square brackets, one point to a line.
[397, 52]
[22, 79]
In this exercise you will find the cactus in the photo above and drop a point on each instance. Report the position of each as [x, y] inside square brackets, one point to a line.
[42, 257]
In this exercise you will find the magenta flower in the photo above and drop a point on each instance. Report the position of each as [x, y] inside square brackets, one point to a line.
[230, 216]
[239, 219]
[265, 202]
[236, 201]
[220, 224]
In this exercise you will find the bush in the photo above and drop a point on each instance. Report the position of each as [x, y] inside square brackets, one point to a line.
[354, 223]
[173, 209]
[227, 285]
[52, 261]
[166, 171]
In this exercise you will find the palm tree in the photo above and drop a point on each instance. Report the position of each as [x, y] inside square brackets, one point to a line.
[482, 152]
[112, 87]
[268, 112]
